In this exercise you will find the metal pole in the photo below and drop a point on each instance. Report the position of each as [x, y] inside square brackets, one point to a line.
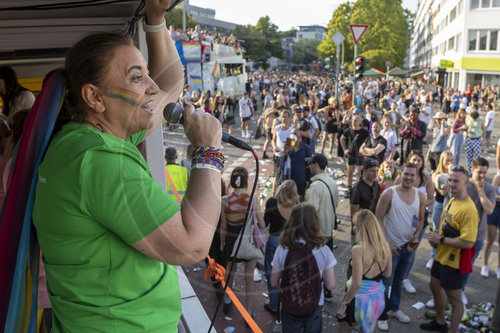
[184, 15]
[337, 72]
[355, 86]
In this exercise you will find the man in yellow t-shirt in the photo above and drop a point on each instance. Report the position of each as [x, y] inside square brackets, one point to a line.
[461, 214]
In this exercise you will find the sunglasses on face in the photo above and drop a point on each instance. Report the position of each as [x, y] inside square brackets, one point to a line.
[459, 168]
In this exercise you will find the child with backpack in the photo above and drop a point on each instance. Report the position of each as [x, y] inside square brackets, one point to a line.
[302, 266]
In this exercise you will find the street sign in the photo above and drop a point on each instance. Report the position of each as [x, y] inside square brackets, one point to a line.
[387, 64]
[357, 31]
[338, 38]
[426, 70]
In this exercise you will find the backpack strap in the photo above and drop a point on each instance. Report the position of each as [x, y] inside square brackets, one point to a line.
[333, 204]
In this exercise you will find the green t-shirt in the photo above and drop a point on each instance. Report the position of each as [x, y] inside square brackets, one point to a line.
[95, 197]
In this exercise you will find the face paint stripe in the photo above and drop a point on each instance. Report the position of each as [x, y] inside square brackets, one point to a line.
[125, 95]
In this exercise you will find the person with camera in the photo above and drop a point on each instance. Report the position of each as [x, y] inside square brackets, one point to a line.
[412, 134]
[456, 235]
[324, 195]
[297, 152]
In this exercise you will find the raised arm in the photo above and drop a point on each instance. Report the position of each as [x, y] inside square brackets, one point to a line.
[163, 61]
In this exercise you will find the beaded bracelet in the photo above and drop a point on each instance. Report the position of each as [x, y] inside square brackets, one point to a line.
[205, 166]
[218, 164]
[210, 153]
[206, 149]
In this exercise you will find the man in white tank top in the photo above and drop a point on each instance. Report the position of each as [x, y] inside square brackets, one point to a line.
[400, 211]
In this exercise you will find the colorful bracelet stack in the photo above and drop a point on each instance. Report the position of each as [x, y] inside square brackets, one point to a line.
[207, 158]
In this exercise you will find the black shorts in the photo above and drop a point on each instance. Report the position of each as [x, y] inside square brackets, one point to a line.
[354, 160]
[434, 160]
[331, 127]
[247, 118]
[269, 134]
[450, 278]
[349, 313]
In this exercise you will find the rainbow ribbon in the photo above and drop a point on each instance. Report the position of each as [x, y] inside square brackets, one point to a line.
[19, 250]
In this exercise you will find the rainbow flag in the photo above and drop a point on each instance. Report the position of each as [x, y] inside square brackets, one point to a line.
[18, 245]
[243, 49]
[215, 71]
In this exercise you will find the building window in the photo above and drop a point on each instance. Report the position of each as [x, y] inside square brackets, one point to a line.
[472, 40]
[451, 43]
[485, 3]
[474, 4]
[483, 40]
[496, 3]
[483, 36]
[493, 40]
[453, 14]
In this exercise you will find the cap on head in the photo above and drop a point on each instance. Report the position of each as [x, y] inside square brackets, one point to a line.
[170, 153]
[370, 163]
[320, 159]
[439, 115]
[357, 111]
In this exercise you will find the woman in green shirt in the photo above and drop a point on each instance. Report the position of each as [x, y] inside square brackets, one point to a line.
[108, 232]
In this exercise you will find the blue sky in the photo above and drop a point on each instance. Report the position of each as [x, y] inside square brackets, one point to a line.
[285, 14]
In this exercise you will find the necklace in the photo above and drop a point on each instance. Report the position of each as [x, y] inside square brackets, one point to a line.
[97, 126]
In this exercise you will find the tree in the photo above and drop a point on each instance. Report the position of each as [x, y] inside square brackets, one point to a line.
[174, 17]
[289, 33]
[305, 51]
[387, 36]
[261, 41]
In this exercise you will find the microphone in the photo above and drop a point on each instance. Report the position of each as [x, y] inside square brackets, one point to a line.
[173, 114]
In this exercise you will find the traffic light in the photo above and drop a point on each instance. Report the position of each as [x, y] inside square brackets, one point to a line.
[359, 67]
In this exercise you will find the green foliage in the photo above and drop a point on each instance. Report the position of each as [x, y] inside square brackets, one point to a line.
[387, 36]
[289, 33]
[261, 41]
[305, 51]
[174, 17]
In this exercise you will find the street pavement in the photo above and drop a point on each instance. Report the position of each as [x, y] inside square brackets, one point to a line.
[478, 289]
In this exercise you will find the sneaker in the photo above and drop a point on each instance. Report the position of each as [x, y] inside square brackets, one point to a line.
[328, 296]
[409, 287]
[434, 326]
[464, 299]
[485, 271]
[256, 275]
[267, 307]
[430, 303]
[429, 263]
[383, 325]
[498, 273]
[400, 316]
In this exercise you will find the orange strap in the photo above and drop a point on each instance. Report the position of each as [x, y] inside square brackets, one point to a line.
[217, 273]
[171, 182]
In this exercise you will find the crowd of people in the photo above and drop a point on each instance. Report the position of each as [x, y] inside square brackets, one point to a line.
[102, 218]
[387, 138]
[197, 35]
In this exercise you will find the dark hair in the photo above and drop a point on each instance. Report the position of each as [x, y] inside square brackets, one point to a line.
[480, 162]
[474, 115]
[303, 223]
[243, 174]
[421, 171]
[18, 124]
[12, 86]
[410, 165]
[87, 62]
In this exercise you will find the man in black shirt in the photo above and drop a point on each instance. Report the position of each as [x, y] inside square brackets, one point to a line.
[302, 124]
[351, 140]
[366, 192]
[375, 145]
